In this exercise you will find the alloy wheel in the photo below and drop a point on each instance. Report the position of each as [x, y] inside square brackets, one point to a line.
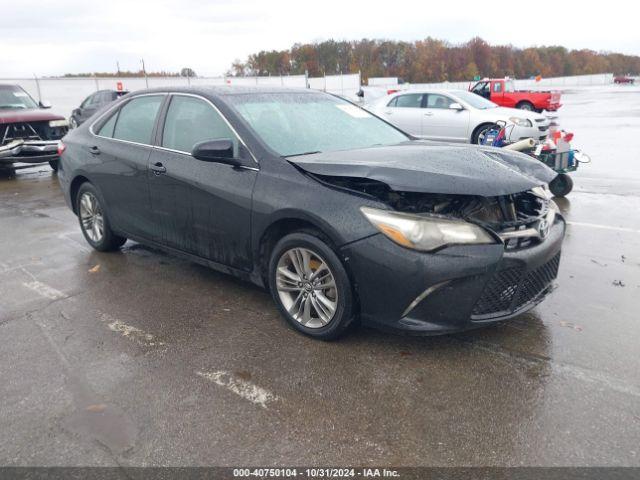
[306, 287]
[91, 217]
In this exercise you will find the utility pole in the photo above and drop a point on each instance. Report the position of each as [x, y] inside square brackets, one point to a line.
[144, 71]
[118, 65]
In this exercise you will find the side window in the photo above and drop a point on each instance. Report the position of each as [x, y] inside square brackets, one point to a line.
[393, 102]
[107, 128]
[411, 100]
[497, 87]
[478, 88]
[137, 118]
[192, 120]
[435, 100]
[103, 97]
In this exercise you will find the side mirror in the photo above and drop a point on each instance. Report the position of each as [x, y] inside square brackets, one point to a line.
[45, 104]
[456, 106]
[220, 151]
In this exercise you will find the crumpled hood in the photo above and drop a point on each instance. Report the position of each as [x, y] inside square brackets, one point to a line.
[30, 115]
[433, 167]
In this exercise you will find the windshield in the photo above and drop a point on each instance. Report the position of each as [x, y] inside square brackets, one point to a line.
[13, 98]
[302, 123]
[475, 100]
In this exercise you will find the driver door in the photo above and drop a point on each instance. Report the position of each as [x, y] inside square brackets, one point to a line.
[199, 207]
[443, 123]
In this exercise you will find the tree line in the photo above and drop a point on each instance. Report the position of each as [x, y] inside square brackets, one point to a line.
[432, 60]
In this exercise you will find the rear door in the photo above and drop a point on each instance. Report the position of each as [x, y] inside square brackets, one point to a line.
[440, 122]
[405, 112]
[203, 208]
[121, 150]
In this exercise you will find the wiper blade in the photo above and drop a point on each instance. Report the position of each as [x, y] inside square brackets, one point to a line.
[303, 153]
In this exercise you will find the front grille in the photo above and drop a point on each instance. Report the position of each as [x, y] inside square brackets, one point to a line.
[19, 131]
[509, 290]
[499, 292]
[28, 131]
[537, 281]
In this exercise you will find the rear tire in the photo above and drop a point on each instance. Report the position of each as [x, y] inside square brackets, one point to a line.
[528, 106]
[94, 221]
[562, 185]
[54, 165]
[310, 286]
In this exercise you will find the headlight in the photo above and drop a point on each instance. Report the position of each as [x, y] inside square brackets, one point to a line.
[59, 123]
[521, 122]
[425, 233]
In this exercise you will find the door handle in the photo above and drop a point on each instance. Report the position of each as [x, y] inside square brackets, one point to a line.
[158, 168]
[94, 150]
[428, 114]
[388, 112]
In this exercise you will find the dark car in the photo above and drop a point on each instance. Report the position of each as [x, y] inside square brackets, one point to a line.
[92, 104]
[339, 214]
[28, 132]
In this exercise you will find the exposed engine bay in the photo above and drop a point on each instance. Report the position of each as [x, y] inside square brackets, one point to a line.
[519, 218]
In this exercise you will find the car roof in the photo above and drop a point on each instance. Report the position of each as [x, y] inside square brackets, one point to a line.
[425, 90]
[225, 90]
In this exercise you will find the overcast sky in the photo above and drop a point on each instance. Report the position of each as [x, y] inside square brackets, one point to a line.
[53, 37]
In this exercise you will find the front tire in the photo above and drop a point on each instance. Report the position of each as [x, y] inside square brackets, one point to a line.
[94, 221]
[479, 133]
[54, 165]
[310, 286]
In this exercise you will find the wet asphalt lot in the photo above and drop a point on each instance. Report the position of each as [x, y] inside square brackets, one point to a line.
[140, 358]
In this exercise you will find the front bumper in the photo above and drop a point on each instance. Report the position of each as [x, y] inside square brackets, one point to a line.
[539, 131]
[457, 288]
[30, 151]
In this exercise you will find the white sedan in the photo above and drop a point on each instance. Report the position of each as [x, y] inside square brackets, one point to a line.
[455, 116]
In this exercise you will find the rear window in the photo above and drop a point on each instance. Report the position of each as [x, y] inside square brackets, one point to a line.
[107, 129]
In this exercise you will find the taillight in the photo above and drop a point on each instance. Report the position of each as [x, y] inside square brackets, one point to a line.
[61, 148]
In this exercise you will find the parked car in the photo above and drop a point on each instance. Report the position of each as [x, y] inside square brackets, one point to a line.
[503, 92]
[28, 132]
[622, 79]
[339, 214]
[455, 116]
[92, 104]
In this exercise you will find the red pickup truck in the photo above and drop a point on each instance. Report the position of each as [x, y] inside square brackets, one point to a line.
[504, 93]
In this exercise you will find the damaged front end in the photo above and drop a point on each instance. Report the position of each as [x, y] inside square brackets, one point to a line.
[519, 219]
[469, 259]
[30, 142]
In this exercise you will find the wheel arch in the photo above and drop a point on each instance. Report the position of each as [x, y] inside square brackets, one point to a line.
[286, 222]
[526, 102]
[73, 190]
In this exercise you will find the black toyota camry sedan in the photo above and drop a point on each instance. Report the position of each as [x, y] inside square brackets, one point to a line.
[340, 215]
